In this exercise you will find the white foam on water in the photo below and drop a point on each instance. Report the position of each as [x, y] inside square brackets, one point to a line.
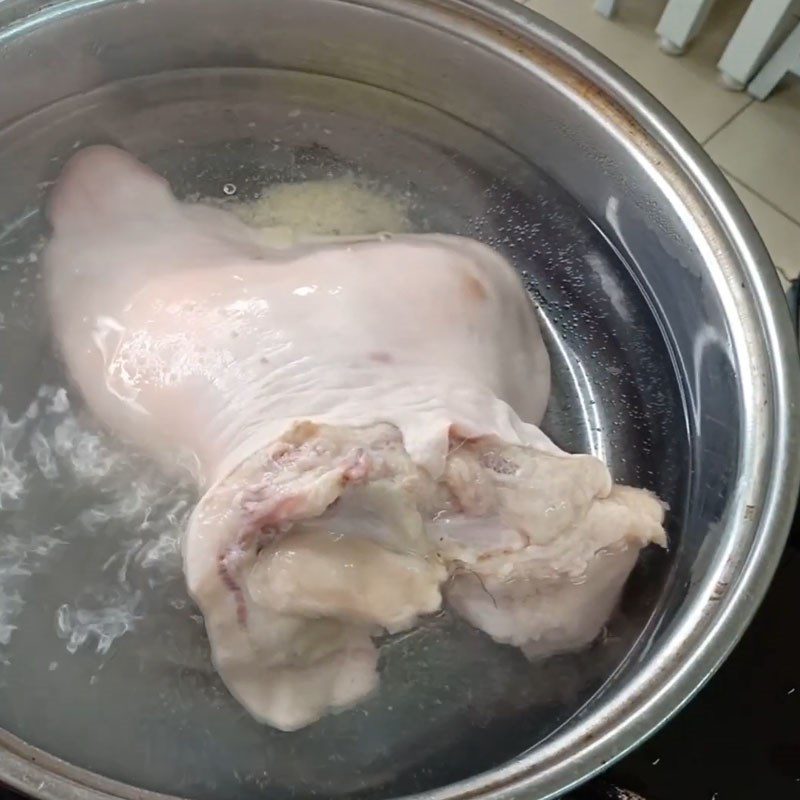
[342, 206]
[52, 456]
[13, 474]
[20, 559]
[99, 626]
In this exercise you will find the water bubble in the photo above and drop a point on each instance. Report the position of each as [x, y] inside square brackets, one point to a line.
[229, 189]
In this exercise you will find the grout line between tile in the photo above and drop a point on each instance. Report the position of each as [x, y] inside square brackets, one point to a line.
[728, 121]
[762, 198]
[778, 267]
[782, 271]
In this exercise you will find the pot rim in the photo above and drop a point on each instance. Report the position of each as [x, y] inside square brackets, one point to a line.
[758, 522]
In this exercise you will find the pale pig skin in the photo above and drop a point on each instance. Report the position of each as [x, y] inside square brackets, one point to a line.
[362, 416]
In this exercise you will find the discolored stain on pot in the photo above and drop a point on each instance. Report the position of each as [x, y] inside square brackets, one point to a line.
[720, 590]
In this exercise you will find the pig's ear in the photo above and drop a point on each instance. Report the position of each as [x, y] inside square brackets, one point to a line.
[102, 182]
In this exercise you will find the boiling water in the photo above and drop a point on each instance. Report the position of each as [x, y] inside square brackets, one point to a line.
[103, 658]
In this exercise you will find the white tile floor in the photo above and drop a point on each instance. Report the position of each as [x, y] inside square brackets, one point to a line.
[756, 144]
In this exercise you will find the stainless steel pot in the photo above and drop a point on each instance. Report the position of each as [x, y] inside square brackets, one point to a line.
[673, 349]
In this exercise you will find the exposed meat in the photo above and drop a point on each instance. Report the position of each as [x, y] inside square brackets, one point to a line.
[545, 546]
[362, 414]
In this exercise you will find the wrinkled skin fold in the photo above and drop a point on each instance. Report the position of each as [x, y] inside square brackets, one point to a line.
[362, 416]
